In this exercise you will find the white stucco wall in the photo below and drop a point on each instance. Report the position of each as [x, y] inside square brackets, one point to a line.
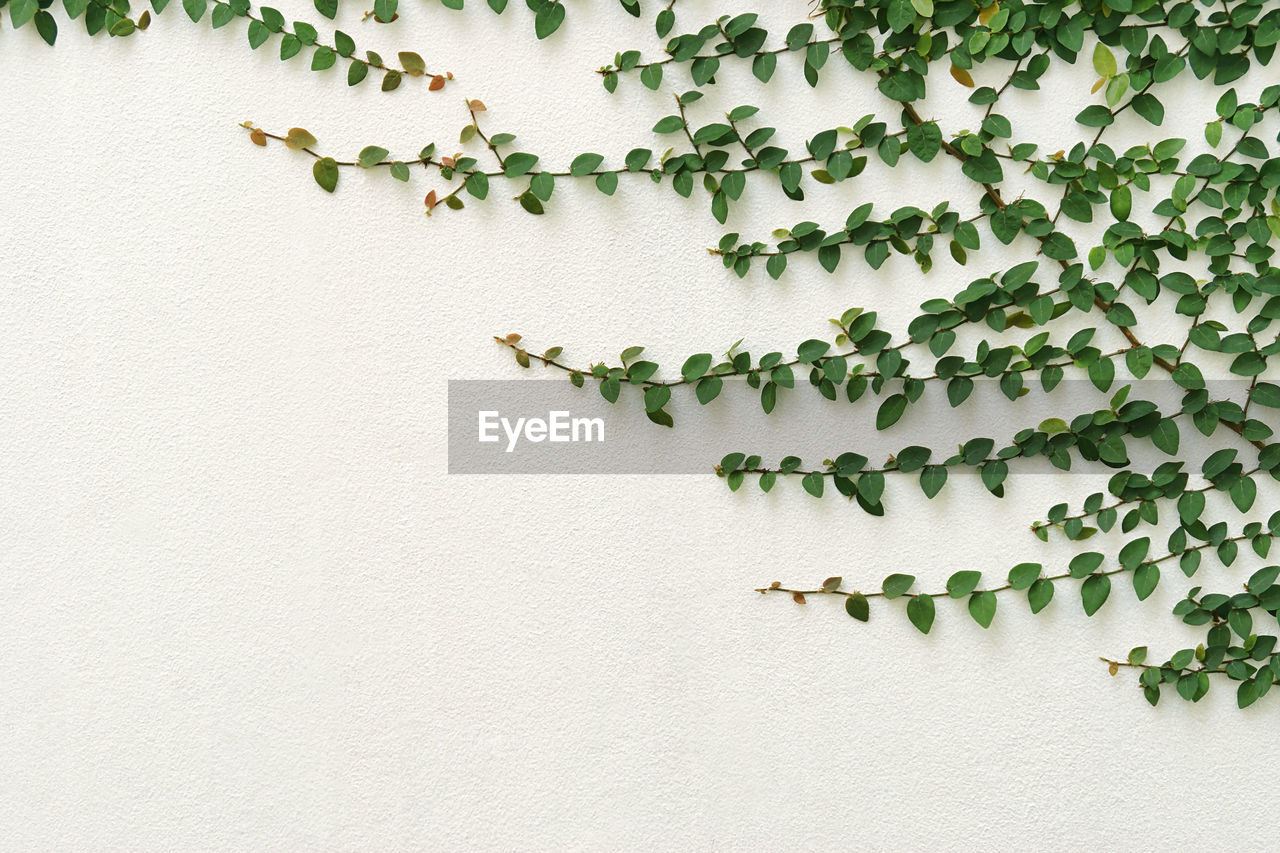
[242, 606]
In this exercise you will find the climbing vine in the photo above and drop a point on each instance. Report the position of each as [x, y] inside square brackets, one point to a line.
[1190, 298]
[1218, 207]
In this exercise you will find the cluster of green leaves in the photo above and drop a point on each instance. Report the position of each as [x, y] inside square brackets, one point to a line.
[1091, 175]
[548, 15]
[296, 38]
[1232, 647]
[1221, 210]
[899, 39]
[112, 17]
[303, 37]
[702, 157]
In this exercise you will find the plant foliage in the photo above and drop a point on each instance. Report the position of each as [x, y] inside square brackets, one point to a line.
[1218, 214]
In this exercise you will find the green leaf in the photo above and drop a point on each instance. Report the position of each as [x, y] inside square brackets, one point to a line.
[607, 182]
[1094, 592]
[1121, 203]
[763, 66]
[920, 611]
[896, 585]
[1266, 394]
[1263, 579]
[655, 397]
[1166, 437]
[695, 366]
[519, 163]
[1104, 61]
[477, 184]
[813, 483]
[985, 168]
[1145, 579]
[903, 86]
[289, 47]
[548, 19]
[222, 15]
[1188, 376]
[812, 350]
[412, 63]
[194, 9]
[325, 172]
[1243, 493]
[21, 11]
[1248, 691]
[982, 607]
[370, 156]
[708, 389]
[924, 141]
[585, 164]
[1133, 553]
[962, 583]
[542, 185]
[856, 606]
[1023, 575]
[1053, 426]
[669, 124]
[47, 27]
[343, 43]
[323, 58]
[1149, 107]
[890, 411]
[1059, 247]
[638, 158]
[1084, 564]
[902, 14]
[1095, 115]
[932, 479]
[531, 203]
[1040, 594]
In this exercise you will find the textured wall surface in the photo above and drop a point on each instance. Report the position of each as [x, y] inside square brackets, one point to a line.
[243, 606]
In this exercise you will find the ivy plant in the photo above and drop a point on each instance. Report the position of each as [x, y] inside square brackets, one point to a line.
[1191, 298]
[1217, 209]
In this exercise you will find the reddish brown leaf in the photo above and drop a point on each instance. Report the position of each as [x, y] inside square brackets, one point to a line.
[437, 82]
[257, 137]
[798, 598]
